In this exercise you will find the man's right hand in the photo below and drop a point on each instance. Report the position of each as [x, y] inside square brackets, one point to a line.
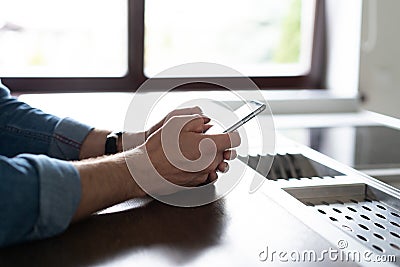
[182, 154]
[109, 180]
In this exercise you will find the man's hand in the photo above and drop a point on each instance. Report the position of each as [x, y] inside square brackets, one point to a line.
[182, 154]
[227, 155]
[107, 181]
[174, 113]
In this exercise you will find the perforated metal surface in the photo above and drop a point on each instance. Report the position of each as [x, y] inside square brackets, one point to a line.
[369, 215]
[370, 221]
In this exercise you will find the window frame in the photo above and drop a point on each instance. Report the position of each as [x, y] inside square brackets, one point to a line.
[135, 74]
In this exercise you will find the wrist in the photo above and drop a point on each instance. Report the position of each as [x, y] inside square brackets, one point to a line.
[131, 140]
[105, 182]
[93, 145]
[132, 189]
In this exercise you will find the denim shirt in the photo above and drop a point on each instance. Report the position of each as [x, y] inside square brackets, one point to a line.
[39, 189]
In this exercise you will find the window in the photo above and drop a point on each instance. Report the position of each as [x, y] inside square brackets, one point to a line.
[257, 37]
[109, 45]
[70, 38]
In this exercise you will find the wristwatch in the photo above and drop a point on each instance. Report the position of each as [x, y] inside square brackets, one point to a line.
[111, 146]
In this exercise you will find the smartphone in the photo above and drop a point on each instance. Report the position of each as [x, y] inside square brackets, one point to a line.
[247, 112]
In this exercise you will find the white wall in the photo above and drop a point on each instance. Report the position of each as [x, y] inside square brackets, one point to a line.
[343, 26]
[380, 56]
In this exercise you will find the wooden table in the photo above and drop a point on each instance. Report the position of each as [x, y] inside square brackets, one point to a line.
[230, 232]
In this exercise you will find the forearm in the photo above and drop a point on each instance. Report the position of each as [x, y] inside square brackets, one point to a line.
[94, 144]
[105, 181]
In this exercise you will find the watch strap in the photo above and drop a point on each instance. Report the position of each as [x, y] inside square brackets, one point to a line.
[111, 146]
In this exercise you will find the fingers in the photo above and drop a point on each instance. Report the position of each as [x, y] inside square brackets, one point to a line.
[212, 176]
[187, 111]
[184, 112]
[223, 167]
[199, 180]
[225, 141]
[194, 123]
[230, 154]
[190, 123]
[207, 127]
[177, 112]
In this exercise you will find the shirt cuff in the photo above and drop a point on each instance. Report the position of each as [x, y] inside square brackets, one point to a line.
[68, 138]
[59, 195]
[4, 92]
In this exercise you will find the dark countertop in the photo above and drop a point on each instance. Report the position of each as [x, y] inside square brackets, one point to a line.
[230, 232]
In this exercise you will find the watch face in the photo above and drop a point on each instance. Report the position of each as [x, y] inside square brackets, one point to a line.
[111, 144]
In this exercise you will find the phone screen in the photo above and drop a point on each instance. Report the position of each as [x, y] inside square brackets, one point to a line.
[245, 113]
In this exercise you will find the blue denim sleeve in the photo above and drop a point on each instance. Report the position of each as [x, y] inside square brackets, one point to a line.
[38, 197]
[38, 194]
[24, 129]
